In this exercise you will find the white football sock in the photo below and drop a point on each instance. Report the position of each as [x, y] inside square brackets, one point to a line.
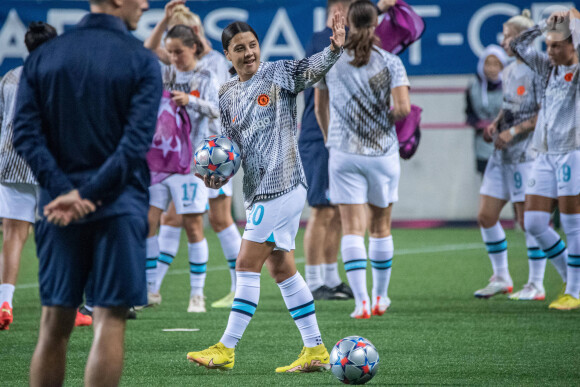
[537, 223]
[536, 261]
[381, 257]
[152, 246]
[496, 245]
[6, 293]
[313, 276]
[169, 238]
[243, 308]
[571, 226]
[300, 304]
[198, 257]
[354, 256]
[330, 274]
[231, 241]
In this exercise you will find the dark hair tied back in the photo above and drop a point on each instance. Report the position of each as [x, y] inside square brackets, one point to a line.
[37, 34]
[187, 35]
[362, 17]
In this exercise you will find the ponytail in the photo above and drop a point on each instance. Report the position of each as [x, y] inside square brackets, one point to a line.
[362, 17]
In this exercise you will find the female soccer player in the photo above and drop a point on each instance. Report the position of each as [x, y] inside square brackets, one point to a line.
[18, 186]
[196, 90]
[258, 111]
[220, 201]
[364, 152]
[508, 169]
[555, 176]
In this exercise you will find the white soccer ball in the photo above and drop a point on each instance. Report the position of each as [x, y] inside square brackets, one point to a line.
[354, 360]
[217, 156]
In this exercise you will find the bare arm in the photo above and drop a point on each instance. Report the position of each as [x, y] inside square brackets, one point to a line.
[153, 42]
[507, 135]
[321, 110]
[401, 103]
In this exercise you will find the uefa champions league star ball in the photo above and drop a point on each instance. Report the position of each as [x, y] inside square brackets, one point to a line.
[354, 360]
[217, 156]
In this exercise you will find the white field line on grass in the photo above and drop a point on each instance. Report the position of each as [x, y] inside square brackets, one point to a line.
[418, 250]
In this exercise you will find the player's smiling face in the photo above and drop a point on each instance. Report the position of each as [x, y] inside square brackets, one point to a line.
[244, 53]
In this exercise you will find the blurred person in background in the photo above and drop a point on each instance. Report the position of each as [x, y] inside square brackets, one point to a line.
[508, 169]
[18, 186]
[353, 109]
[323, 230]
[555, 177]
[220, 200]
[484, 99]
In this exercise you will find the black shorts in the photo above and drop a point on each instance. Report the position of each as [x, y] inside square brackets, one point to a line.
[110, 250]
[314, 157]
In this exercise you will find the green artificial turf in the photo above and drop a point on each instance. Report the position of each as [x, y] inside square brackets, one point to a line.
[435, 331]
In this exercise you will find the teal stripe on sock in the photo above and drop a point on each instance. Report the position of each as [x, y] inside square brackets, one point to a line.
[151, 263]
[382, 264]
[556, 250]
[496, 247]
[232, 263]
[536, 253]
[357, 264]
[197, 268]
[574, 260]
[307, 310]
[166, 258]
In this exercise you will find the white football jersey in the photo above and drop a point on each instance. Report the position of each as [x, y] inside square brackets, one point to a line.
[360, 101]
[558, 127]
[260, 116]
[522, 92]
[13, 168]
[203, 106]
[219, 66]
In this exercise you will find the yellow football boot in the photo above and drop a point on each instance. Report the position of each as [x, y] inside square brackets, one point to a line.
[310, 360]
[216, 357]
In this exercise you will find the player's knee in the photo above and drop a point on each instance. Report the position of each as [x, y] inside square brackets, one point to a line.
[15, 230]
[535, 225]
[486, 220]
[219, 222]
[570, 225]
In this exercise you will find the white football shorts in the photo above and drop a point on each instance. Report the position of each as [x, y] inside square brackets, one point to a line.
[553, 176]
[227, 190]
[506, 181]
[276, 220]
[359, 179]
[189, 194]
[18, 201]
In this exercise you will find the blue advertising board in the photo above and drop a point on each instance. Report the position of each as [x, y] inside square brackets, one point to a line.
[457, 30]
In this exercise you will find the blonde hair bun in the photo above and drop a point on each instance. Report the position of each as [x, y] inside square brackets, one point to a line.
[527, 13]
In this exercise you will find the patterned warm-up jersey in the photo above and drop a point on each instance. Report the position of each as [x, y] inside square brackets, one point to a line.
[558, 127]
[13, 169]
[360, 101]
[260, 116]
[522, 92]
[219, 66]
[203, 106]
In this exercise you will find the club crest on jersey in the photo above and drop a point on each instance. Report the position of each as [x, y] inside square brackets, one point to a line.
[568, 77]
[263, 100]
[195, 93]
[521, 90]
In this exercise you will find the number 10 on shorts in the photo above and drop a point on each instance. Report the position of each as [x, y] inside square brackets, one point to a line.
[256, 215]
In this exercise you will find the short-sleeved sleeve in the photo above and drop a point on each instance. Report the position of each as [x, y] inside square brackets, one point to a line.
[398, 72]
